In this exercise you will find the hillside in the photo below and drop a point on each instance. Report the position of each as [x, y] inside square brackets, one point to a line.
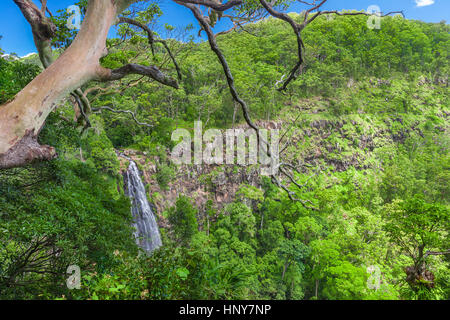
[365, 123]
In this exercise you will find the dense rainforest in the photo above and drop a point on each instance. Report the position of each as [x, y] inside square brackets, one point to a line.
[366, 120]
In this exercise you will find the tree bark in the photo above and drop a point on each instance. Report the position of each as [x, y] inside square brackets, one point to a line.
[43, 28]
[22, 118]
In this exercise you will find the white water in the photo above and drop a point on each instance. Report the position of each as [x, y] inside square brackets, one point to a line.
[146, 229]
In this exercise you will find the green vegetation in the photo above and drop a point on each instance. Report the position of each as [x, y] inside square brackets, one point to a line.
[372, 112]
[183, 218]
[10, 81]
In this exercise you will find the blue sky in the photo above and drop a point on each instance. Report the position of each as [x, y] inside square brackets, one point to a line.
[17, 33]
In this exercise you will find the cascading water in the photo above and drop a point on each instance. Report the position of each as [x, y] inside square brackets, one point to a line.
[146, 229]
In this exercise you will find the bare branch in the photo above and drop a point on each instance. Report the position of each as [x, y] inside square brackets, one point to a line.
[230, 80]
[152, 40]
[216, 5]
[297, 29]
[151, 72]
[123, 111]
[215, 48]
[76, 95]
[434, 253]
[291, 194]
[44, 6]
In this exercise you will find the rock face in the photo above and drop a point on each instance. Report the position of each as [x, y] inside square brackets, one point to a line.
[203, 183]
[319, 135]
[198, 182]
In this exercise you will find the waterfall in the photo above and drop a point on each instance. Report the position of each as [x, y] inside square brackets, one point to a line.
[146, 229]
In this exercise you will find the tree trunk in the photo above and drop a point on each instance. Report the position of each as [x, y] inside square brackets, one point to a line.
[317, 289]
[285, 267]
[22, 118]
[234, 113]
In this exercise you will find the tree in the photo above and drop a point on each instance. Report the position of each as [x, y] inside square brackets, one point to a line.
[419, 228]
[292, 253]
[183, 218]
[22, 118]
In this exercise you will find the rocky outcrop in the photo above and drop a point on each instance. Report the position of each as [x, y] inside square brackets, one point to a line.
[198, 182]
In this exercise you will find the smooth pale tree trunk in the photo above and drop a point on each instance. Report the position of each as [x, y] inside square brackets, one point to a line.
[22, 118]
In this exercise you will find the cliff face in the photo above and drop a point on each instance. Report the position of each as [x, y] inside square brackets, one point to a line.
[337, 135]
[200, 183]
[218, 183]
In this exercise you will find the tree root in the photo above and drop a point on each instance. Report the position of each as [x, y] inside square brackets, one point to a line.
[25, 152]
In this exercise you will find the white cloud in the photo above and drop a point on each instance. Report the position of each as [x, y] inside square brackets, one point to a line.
[424, 3]
[9, 57]
[28, 55]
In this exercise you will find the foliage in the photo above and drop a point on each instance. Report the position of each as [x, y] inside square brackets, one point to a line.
[183, 218]
[10, 82]
[371, 109]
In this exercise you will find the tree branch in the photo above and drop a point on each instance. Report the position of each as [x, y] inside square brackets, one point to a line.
[150, 71]
[216, 5]
[230, 80]
[297, 29]
[124, 111]
[434, 253]
[152, 40]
